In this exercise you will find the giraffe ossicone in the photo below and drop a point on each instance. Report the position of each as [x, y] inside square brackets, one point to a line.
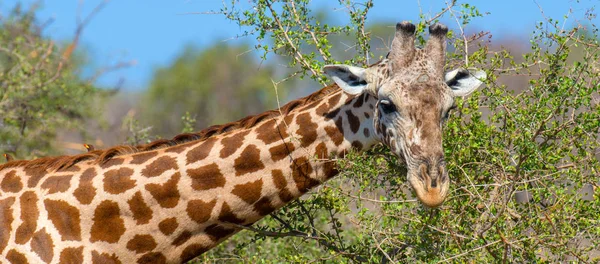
[172, 200]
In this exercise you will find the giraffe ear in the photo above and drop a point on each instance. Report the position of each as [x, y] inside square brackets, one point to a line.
[351, 79]
[463, 82]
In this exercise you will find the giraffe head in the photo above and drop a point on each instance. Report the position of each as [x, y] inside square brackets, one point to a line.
[414, 96]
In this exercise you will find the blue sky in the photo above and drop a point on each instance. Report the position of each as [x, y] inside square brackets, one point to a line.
[154, 32]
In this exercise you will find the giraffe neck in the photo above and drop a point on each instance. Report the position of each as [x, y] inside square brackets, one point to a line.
[172, 204]
[269, 165]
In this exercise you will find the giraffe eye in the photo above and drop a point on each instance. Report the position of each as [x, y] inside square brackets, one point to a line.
[387, 107]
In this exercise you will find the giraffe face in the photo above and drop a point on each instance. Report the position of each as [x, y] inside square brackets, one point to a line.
[414, 98]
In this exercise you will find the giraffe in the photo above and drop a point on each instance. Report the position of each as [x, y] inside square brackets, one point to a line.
[171, 200]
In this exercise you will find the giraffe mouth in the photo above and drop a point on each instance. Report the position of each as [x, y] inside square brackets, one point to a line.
[430, 191]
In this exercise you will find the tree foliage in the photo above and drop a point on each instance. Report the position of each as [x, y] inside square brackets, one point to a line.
[40, 88]
[523, 161]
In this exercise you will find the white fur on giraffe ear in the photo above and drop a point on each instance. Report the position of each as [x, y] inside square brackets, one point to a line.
[350, 78]
[463, 82]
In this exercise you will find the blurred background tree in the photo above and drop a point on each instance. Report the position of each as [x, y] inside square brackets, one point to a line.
[41, 91]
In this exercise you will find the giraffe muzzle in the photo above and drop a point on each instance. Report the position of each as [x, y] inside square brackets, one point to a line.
[430, 182]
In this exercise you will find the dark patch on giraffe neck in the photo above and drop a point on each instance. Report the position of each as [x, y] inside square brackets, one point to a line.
[104, 258]
[108, 226]
[232, 143]
[42, 245]
[249, 192]
[248, 161]
[159, 166]
[118, 180]
[353, 120]
[307, 129]
[228, 216]
[11, 182]
[199, 210]
[206, 177]
[86, 191]
[6, 219]
[301, 171]
[71, 255]
[141, 212]
[29, 216]
[141, 243]
[166, 194]
[65, 219]
[168, 226]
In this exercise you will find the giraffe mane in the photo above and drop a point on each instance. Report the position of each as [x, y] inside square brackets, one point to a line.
[101, 156]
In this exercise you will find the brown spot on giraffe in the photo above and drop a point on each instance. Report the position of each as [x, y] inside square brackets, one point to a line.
[307, 130]
[108, 226]
[249, 192]
[228, 216]
[335, 99]
[206, 177]
[167, 194]
[192, 251]
[41, 244]
[358, 101]
[248, 161]
[152, 258]
[141, 212]
[104, 258]
[29, 216]
[35, 175]
[281, 184]
[232, 143]
[201, 151]
[168, 226]
[335, 134]
[16, 257]
[71, 255]
[263, 206]
[11, 182]
[118, 180]
[332, 113]
[217, 232]
[353, 120]
[141, 243]
[200, 211]
[182, 238]
[65, 219]
[322, 110]
[86, 191]
[281, 151]
[112, 162]
[159, 166]
[301, 171]
[6, 219]
[141, 158]
[328, 166]
[56, 184]
[271, 131]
